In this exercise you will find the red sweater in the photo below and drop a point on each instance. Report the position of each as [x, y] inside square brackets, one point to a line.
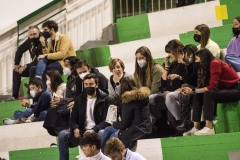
[222, 76]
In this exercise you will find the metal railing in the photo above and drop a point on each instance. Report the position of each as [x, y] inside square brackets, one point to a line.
[126, 8]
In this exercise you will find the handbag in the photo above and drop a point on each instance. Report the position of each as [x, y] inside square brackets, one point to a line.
[111, 114]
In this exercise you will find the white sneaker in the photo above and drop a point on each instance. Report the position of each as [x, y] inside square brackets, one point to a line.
[205, 131]
[8, 121]
[191, 132]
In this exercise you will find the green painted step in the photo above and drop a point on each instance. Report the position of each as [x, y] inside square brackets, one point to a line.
[133, 28]
[214, 147]
[228, 117]
[41, 154]
[96, 57]
[8, 108]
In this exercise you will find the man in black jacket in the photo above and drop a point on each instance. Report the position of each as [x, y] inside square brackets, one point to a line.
[88, 115]
[83, 68]
[33, 45]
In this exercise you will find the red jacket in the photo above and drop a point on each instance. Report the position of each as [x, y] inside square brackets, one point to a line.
[222, 76]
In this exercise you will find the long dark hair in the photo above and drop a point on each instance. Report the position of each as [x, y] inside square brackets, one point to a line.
[205, 34]
[206, 57]
[189, 50]
[139, 72]
[128, 84]
[55, 79]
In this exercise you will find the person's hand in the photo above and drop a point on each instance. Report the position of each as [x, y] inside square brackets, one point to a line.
[41, 56]
[21, 69]
[186, 90]
[55, 102]
[42, 40]
[16, 67]
[25, 103]
[76, 132]
[89, 131]
[70, 105]
[116, 76]
[173, 76]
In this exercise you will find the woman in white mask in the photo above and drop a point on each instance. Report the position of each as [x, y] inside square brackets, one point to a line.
[147, 72]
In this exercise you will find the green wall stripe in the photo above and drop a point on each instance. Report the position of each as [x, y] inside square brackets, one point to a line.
[232, 8]
[215, 147]
[96, 57]
[40, 154]
[24, 19]
[133, 28]
[221, 35]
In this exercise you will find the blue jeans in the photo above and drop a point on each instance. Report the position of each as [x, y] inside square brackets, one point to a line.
[108, 133]
[65, 140]
[44, 64]
[234, 61]
[22, 114]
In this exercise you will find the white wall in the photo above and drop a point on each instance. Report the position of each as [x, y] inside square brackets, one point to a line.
[183, 19]
[13, 10]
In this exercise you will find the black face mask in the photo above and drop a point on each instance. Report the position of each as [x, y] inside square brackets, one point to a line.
[90, 90]
[46, 35]
[197, 37]
[236, 31]
[35, 40]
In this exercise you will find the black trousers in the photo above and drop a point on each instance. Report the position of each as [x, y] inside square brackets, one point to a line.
[208, 101]
[17, 80]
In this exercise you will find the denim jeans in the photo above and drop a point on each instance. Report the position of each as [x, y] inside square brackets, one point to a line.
[23, 114]
[234, 61]
[43, 65]
[66, 140]
[108, 133]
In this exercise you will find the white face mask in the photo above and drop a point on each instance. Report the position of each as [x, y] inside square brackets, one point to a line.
[82, 75]
[48, 82]
[33, 93]
[66, 71]
[142, 63]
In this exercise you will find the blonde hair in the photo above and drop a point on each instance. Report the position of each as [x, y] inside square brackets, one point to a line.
[113, 145]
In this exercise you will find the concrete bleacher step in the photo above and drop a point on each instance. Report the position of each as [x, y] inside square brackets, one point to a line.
[24, 136]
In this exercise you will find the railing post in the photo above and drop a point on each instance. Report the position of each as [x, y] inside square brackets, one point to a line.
[146, 6]
[114, 11]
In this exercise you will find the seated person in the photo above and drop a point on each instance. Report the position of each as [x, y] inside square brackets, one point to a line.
[223, 87]
[135, 116]
[233, 48]
[33, 45]
[83, 68]
[88, 115]
[90, 145]
[116, 150]
[41, 102]
[57, 48]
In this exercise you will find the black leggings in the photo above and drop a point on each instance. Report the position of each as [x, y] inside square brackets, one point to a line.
[208, 101]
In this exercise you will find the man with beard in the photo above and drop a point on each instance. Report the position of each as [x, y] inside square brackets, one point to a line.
[88, 115]
[33, 45]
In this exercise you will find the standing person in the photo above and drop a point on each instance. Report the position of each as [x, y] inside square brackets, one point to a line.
[147, 72]
[202, 36]
[90, 145]
[41, 103]
[223, 87]
[83, 68]
[88, 115]
[116, 150]
[233, 48]
[57, 48]
[33, 45]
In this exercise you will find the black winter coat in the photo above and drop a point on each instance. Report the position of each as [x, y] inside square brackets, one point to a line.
[78, 115]
[135, 123]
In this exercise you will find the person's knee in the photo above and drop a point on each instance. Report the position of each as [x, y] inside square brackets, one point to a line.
[64, 134]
